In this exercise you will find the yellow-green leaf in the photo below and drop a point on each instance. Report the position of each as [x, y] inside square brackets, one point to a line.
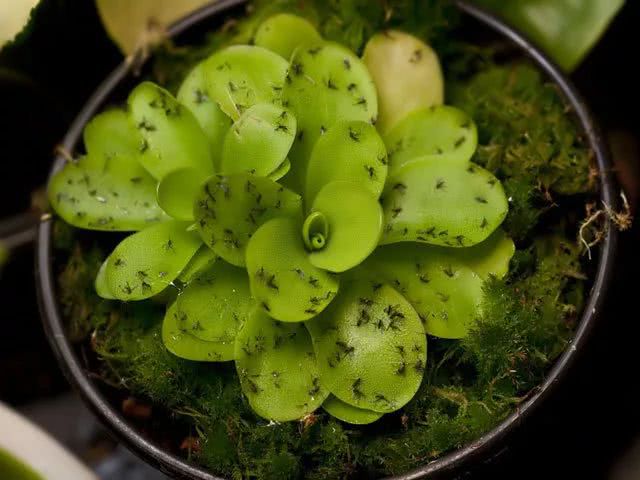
[134, 23]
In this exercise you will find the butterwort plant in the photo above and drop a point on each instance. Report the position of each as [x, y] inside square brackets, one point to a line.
[303, 212]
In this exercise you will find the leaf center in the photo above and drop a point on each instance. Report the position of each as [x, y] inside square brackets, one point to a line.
[315, 231]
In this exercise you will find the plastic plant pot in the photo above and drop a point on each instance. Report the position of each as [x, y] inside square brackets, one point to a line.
[455, 463]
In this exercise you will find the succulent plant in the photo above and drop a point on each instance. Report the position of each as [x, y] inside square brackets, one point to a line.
[272, 213]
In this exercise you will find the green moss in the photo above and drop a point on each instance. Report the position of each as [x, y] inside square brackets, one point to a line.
[522, 329]
[80, 303]
[526, 137]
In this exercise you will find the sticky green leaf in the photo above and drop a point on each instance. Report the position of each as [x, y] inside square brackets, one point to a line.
[371, 347]
[259, 141]
[490, 257]
[442, 132]
[326, 83]
[446, 293]
[182, 344]
[407, 75]
[177, 192]
[348, 413]
[194, 95]
[119, 196]
[351, 151]
[229, 210]
[283, 281]
[283, 33]
[214, 306]
[147, 262]
[442, 204]
[110, 134]
[277, 369]
[241, 76]
[354, 219]
[172, 137]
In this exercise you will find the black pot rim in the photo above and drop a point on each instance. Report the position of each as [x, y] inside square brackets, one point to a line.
[481, 448]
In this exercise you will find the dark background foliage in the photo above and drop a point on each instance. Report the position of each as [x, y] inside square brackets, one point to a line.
[590, 422]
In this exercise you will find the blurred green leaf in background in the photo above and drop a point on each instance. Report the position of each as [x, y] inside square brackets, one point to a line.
[565, 29]
[135, 23]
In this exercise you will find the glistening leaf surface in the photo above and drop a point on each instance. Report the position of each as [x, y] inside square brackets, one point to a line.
[117, 196]
[284, 282]
[213, 307]
[172, 137]
[194, 95]
[442, 204]
[407, 75]
[259, 141]
[442, 132]
[241, 76]
[371, 347]
[283, 33]
[184, 345]
[326, 83]
[351, 151]
[147, 262]
[446, 293]
[277, 368]
[229, 210]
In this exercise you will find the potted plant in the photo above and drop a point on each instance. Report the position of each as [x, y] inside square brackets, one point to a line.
[335, 274]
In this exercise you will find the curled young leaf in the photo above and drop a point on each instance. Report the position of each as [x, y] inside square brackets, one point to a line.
[241, 76]
[443, 204]
[259, 142]
[353, 220]
[283, 33]
[284, 282]
[326, 83]
[351, 151]
[277, 368]
[371, 347]
[441, 132]
[116, 196]
[407, 75]
[229, 210]
[146, 263]
[348, 413]
[172, 137]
